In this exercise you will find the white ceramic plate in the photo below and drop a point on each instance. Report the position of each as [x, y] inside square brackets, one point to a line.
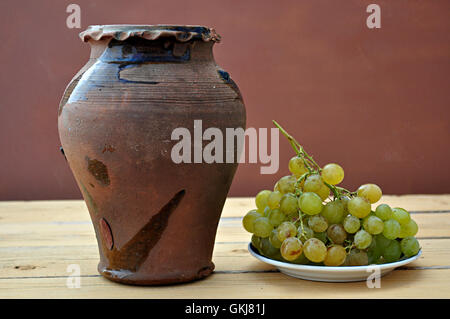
[331, 274]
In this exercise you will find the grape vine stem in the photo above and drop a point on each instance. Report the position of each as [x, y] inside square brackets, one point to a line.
[297, 147]
[311, 164]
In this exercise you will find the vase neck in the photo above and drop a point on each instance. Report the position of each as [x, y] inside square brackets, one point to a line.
[136, 50]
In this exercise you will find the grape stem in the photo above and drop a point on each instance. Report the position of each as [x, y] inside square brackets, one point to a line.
[300, 218]
[342, 189]
[310, 164]
[334, 189]
[301, 178]
[350, 246]
[298, 149]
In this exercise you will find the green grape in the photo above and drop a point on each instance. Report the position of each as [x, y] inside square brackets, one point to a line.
[276, 217]
[274, 239]
[318, 223]
[332, 174]
[267, 249]
[261, 199]
[291, 248]
[373, 225]
[336, 256]
[401, 215]
[391, 229]
[313, 183]
[310, 203]
[315, 250]
[286, 230]
[256, 242]
[345, 200]
[292, 217]
[301, 260]
[305, 233]
[362, 239]
[267, 211]
[410, 246]
[261, 211]
[364, 220]
[408, 230]
[337, 233]
[321, 236]
[274, 199]
[392, 252]
[358, 207]
[334, 212]
[384, 212]
[276, 187]
[373, 252]
[286, 184]
[297, 166]
[278, 257]
[248, 220]
[288, 204]
[323, 192]
[371, 192]
[382, 242]
[357, 257]
[351, 224]
[262, 227]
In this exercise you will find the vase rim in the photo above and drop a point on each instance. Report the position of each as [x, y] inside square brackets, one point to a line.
[121, 32]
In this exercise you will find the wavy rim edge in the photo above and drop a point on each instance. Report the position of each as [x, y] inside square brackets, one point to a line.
[330, 268]
[121, 32]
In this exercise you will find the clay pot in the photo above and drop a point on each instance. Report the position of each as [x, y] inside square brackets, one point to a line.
[155, 220]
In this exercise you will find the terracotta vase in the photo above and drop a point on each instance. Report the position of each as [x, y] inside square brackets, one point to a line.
[155, 220]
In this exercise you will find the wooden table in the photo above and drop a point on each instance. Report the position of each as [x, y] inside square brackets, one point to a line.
[40, 239]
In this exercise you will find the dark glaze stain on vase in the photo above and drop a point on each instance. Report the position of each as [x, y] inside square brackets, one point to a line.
[98, 170]
[108, 148]
[136, 250]
[155, 220]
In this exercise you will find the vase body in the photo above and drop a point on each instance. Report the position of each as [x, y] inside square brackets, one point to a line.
[155, 219]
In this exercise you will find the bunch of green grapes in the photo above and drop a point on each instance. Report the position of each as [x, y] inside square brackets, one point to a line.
[308, 219]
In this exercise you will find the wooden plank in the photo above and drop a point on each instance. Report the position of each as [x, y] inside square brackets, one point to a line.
[81, 232]
[44, 261]
[433, 283]
[38, 240]
[75, 210]
[43, 211]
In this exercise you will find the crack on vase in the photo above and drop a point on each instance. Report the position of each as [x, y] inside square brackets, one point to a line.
[126, 66]
[68, 92]
[62, 152]
[106, 233]
[226, 78]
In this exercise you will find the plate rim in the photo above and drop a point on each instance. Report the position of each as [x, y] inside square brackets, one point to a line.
[330, 268]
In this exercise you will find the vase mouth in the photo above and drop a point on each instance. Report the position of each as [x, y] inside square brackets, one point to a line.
[121, 32]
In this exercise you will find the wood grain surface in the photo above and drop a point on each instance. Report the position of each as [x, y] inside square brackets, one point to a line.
[40, 239]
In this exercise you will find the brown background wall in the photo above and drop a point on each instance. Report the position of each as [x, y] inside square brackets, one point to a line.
[376, 101]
